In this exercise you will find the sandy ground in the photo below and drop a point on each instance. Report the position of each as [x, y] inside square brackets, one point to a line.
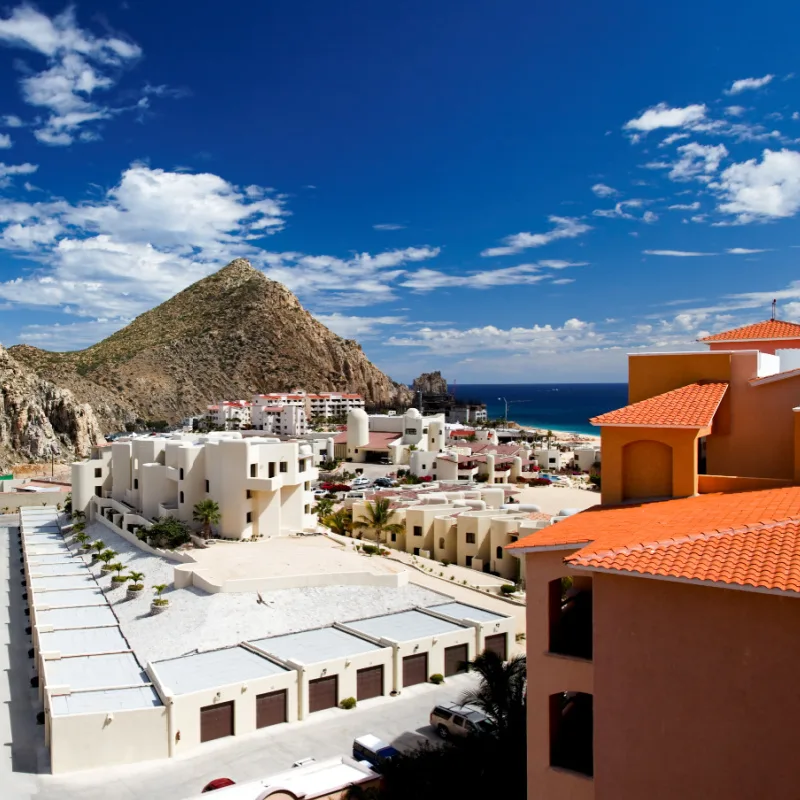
[551, 499]
[199, 621]
[295, 555]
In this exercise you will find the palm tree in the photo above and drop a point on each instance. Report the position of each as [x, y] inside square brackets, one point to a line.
[117, 567]
[340, 521]
[379, 517]
[323, 508]
[81, 538]
[207, 512]
[99, 546]
[501, 692]
[106, 556]
[135, 579]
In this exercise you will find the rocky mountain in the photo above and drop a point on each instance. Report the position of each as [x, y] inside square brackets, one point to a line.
[38, 420]
[430, 383]
[230, 335]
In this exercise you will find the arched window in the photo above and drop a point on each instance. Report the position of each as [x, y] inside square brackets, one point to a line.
[441, 542]
[499, 552]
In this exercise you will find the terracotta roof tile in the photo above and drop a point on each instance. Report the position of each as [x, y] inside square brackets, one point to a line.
[691, 406]
[768, 329]
[743, 538]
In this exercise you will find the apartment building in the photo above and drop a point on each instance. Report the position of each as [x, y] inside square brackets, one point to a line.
[661, 625]
[282, 420]
[321, 404]
[262, 485]
[230, 414]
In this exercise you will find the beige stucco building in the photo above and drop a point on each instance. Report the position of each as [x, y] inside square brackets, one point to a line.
[262, 485]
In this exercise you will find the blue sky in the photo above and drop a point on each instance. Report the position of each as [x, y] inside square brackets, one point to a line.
[505, 192]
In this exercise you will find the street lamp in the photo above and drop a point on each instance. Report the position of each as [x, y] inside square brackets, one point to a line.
[505, 418]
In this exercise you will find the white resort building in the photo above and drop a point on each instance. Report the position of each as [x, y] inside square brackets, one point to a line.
[262, 485]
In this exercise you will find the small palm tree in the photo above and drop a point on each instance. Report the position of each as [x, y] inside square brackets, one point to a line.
[158, 589]
[106, 557]
[323, 508]
[135, 579]
[99, 546]
[81, 538]
[340, 521]
[501, 692]
[117, 567]
[207, 512]
[379, 518]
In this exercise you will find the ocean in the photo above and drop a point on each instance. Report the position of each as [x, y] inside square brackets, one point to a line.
[553, 406]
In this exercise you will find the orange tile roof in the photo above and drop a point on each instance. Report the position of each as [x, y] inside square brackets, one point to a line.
[768, 329]
[691, 406]
[764, 556]
[743, 538]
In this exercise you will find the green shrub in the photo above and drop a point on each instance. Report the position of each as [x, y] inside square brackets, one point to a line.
[169, 533]
[370, 549]
[348, 703]
[444, 562]
[436, 678]
[508, 588]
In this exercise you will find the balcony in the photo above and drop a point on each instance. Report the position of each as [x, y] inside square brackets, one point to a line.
[570, 612]
[172, 473]
[264, 484]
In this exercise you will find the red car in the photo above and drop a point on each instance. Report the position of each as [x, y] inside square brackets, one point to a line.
[217, 783]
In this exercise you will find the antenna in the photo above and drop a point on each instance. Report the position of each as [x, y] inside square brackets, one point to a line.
[774, 303]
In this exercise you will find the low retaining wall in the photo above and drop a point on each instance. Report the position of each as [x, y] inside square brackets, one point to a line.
[15, 500]
[190, 576]
[707, 484]
[171, 555]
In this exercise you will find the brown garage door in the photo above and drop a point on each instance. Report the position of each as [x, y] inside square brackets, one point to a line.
[496, 644]
[415, 669]
[270, 708]
[369, 682]
[323, 693]
[216, 721]
[455, 659]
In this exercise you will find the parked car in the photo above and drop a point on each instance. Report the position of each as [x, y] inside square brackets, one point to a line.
[383, 483]
[452, 719]
[373, 750]
[320, 492]
[360, 481]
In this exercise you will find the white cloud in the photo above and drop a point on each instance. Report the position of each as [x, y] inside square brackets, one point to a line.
[649, 217]
[673, 137]
[744, 84]
[620, 211]
[565, 228]
[744, 251]
[676, 253]
[11, 121]
[79, 65]
[601, 190]
[760, 191]
[663, 116]
[388, 226]
[685, 206]
[5, 141]
[697, 161]
[351, 327]
[735, 111]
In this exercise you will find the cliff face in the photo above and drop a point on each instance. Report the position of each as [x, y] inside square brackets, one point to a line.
[230, 335]
[39, 420]
[430, 383]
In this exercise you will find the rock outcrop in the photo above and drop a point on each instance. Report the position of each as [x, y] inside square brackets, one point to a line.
[430, 383]
[40, 421]
[230, 335]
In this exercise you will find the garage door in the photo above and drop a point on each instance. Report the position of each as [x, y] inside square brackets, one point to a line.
[369, 682]
[455, 659]
[323, 693]
[497, 644]
[270, 709]
[216, 721]
[415, 669]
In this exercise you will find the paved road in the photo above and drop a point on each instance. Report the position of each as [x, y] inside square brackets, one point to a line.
[402, 721]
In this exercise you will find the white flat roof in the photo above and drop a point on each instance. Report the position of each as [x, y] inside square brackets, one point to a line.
[41, 537]
[95, 672]
[83, 641]
[104, 701]
[86, 617]
[55, 558]
[50, 549]
[216, 668]
[404, 626]
[310, 647]
[463, 611]
[57, 568]
[77, 581]
[69, 597]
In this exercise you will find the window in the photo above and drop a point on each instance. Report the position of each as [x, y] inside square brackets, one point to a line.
[208, 487]
[441, 542]
[180, 497]
[571, 732]
[470, 538]
[98, 473]
[307, 509]
[570, 615]
[394, 537]
[98, 490]
[416, 551]
[411, 431]
[135, 483]
[180, 474]
[418, 530]
[499, 553]
[301, 465]
[552, 460]
[469, 561]
[249, 516]
[284, 466]
[248, 494]
[271, 469]
[254, 470]
[307, 486]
